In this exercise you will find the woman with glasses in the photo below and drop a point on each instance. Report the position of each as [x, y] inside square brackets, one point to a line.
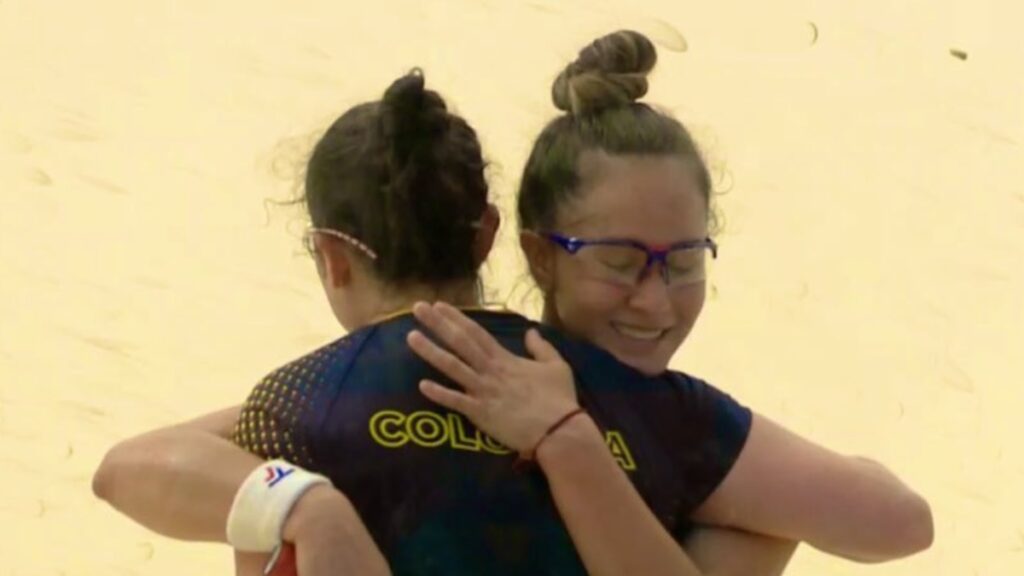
[614, 213]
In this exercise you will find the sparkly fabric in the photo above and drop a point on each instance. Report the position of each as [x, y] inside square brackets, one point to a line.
[272, 414]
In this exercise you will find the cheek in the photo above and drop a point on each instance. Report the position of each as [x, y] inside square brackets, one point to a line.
[586, 306]
[688, 305]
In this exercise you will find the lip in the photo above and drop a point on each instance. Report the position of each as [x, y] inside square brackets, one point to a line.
[639, 334]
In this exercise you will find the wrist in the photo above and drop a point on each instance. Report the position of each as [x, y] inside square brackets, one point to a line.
[577, 435]
[316, 510]
[263, 503]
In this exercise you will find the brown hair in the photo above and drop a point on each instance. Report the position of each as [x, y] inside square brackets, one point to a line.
[598, 93]
[404, 176]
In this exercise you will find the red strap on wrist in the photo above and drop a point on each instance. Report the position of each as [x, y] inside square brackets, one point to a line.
[526, 458]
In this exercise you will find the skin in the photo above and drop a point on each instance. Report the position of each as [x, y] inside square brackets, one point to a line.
[872, 515]
[651, 199]
[515, 400]
[357, 298]
[187, 493]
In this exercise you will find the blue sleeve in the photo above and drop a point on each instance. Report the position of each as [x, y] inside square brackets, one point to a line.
[283, 411]
[267, 426]
[714, 431]
[706, 428]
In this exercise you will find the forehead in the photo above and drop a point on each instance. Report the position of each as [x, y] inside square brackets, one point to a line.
[650, 198]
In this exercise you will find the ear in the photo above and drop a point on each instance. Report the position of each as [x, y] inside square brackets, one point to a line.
[540, 258]
[333, 262]
[486, 232]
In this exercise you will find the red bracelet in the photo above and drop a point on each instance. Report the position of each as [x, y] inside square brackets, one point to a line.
[526, 458]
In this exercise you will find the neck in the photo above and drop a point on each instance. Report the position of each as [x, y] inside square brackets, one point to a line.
[397, 300]
[548, 315]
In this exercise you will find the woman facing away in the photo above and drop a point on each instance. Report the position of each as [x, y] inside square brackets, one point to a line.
[614, 210]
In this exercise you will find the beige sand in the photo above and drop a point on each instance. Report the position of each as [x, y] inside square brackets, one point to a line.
[868, 294]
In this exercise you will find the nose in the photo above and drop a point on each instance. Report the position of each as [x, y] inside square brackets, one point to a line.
[651, 292]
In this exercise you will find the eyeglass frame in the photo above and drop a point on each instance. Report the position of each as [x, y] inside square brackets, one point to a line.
[351, 240]
[655, 252]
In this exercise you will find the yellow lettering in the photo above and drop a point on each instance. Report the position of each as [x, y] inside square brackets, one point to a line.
[491, 445]
[381, 434]
[458, 434]
[617, 444]
[426, 429]
[393, 429]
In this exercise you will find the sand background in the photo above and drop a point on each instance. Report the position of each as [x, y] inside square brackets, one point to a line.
[868, 294]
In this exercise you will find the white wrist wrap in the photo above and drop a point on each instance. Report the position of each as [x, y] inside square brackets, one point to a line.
[263, 503]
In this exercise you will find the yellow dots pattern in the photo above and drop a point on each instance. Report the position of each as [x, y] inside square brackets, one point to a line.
[272, 412]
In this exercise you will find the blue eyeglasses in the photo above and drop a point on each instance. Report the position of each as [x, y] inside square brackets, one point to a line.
[626, 262]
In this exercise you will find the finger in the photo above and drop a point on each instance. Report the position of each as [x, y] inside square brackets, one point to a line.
[450, 334]
[449, 364]
[541, 349]
[450, 399]
[487, 343]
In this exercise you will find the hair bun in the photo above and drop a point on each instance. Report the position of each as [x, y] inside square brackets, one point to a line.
[610, 72]
[410, 114]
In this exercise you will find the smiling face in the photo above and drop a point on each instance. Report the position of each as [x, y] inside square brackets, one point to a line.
[652, 199]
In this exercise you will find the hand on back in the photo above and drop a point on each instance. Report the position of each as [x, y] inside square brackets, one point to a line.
[512, 398]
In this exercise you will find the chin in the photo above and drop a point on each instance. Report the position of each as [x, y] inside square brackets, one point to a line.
[648, 364]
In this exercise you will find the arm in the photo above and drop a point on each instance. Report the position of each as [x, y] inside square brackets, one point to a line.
[614, 531]
[781, 485]
[580, 476]
[725, 552]
[788, 487]
[516, 400]
[622, 536]
[180, 481]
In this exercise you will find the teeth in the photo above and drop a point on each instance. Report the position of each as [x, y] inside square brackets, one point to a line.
[638, 333]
